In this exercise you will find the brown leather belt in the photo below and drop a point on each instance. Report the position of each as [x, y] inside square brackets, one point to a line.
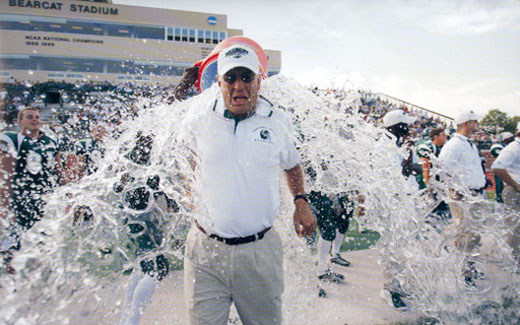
[235, 240]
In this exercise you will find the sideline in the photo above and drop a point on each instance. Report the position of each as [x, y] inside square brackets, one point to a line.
[354, 302]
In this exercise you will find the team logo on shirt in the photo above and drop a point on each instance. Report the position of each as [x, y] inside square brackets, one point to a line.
[264, 135]
[34, 162]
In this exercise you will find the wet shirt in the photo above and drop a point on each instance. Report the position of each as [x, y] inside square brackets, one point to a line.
[460, 158]
[509, 159]
[240, 162]
[35, 169]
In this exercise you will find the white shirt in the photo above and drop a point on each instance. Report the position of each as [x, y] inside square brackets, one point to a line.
[460, 158]
[240, 166]
[509, 159]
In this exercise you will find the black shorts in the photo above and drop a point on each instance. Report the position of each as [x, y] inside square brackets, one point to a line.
[328, 219]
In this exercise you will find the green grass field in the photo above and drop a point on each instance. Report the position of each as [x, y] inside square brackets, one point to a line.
[357, 240]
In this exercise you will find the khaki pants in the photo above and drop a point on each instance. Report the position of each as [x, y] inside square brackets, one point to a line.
[217, 274]
[512, 201]
[465, 239]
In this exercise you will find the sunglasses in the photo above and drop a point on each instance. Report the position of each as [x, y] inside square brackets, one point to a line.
[246, 77]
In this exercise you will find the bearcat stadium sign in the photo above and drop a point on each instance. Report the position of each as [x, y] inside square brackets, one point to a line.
[73, 7]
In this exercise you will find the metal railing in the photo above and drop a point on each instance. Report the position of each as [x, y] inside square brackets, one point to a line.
[416, 106]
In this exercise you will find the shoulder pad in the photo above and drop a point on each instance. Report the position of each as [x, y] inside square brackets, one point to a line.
[424, 150]
[11, 134]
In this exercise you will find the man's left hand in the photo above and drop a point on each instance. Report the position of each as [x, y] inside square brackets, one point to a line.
[304, 220]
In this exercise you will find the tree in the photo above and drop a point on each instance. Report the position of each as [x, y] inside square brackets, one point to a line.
[511, 126]
[496, 121]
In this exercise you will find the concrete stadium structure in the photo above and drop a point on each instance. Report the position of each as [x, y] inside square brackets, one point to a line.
[100, 41]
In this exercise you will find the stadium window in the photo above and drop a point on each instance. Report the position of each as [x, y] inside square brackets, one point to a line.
[192, 36]
[149, 32]
[215, 37]
[77, 27]
[17, 64]
[207, 33]
[74, 76]
[98, 29]
[177, 34]
[184, 34]
[200, 36]
[125, 77]
[55, 75]
[222, 36]
[169, 34]
[142, 78]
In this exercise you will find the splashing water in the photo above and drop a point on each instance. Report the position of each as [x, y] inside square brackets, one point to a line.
[62, 266]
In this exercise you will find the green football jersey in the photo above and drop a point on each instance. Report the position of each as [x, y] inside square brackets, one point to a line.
[426, 149]
[496, 148]
[34, 174]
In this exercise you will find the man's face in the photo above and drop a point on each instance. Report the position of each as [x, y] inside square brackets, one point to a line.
[472, 126]
[30, 120]
[441, 138]
[239, 87]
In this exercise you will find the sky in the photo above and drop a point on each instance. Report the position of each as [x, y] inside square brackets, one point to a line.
[442, 55]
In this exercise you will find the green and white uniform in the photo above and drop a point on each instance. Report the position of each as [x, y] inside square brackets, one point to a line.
[428, 150]
[425, 149]
[34, 174]
[326, 210]
[496, 148]
[92, 151]
[144, 212]
[499, 185]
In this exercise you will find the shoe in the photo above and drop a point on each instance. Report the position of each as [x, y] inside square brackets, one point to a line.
[337, 259]
[331, 276]
[471, 274]
[394, 299]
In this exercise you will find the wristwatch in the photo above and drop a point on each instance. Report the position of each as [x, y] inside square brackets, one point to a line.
[301, 196]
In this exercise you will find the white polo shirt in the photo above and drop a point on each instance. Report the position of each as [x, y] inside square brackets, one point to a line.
[509, 159]
[460, 158]
[240, 166]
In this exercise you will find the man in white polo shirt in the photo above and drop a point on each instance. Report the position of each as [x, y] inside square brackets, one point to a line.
[460, 156]
[460, 159]
[507, 168]
[232, 252]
